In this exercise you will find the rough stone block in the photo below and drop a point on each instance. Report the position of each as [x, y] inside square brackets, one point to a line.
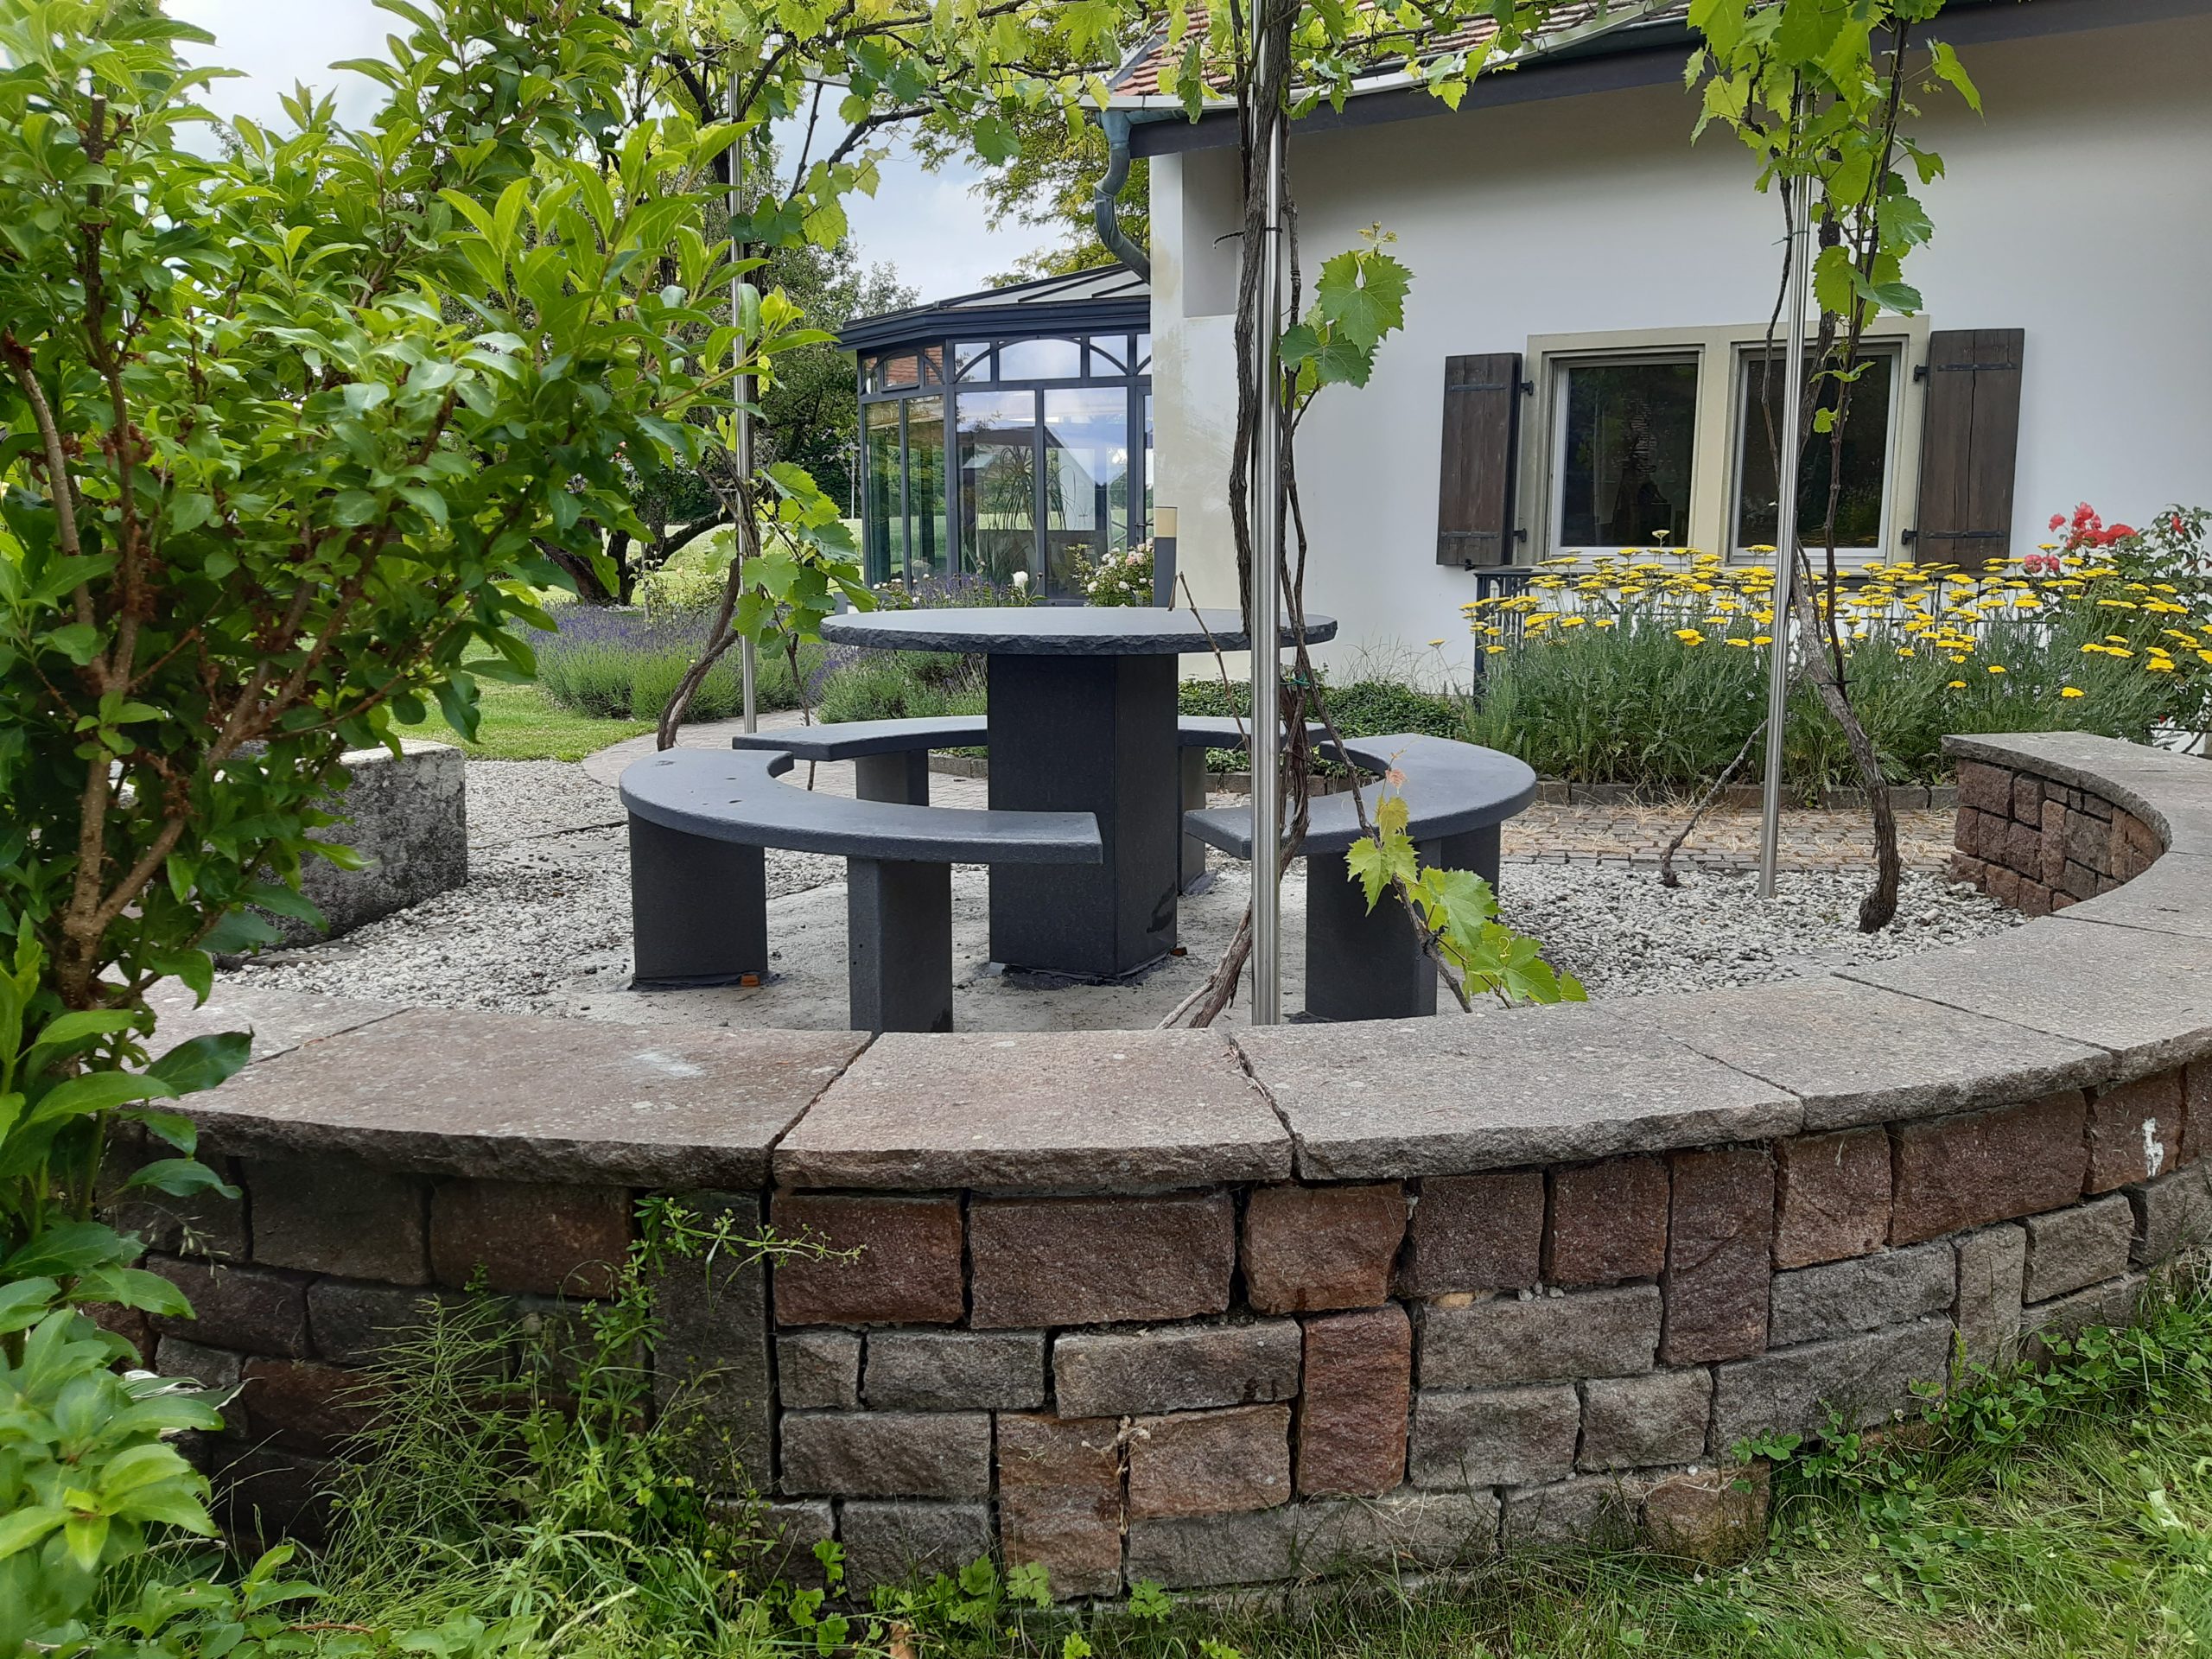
[537, 1239]
[1175, 1368]
[2052, 869]
[1195, 1552]
[2172, 1214]
[1210, 1462]
[1351, 1413]
[211, 1368]
[1863, 1293]
[1416, 1529]
[309, 1407]
[1969, 1170]
[891, 1543]
[1714, 1516]
[887, 1453]
[2070, 1249]
[1985, 788]
[1833, 1199]
[2134, 1131]
[906, 1270]
[1308, 1248]
[2023, 850]
[1588, 1512]
[270, 1493]
[353, 1323]
[712, 1362]
[788, 1532]
[2113, 1303]
[954, 1370]
[818, 1371]
[1477, 1232]
[254, 1310]
[1051, 1262]
[2027, 799]
[1060, 1500]
[1865, 1378]
[340, 1216]
[1992, 1279]
[203, 1224]
[2196, 1110]
[1498, 1437]
[2003, 885]
[1636, 1422]
[1720, 1256]
[407, 815]
[1608, 1222]
[1544, 1339]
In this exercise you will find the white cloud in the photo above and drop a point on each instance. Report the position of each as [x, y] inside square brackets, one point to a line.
[929, 226]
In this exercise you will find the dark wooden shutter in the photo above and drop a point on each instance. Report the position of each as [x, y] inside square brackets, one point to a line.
[1969, 444]
[1482, 421]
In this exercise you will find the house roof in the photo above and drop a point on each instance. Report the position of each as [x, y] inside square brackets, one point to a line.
[1595, 45]
[1102, 297]
[1136, 85]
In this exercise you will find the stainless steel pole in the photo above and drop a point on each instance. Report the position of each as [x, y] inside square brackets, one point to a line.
[1266, 596]
[1785, 534]
[747, 657]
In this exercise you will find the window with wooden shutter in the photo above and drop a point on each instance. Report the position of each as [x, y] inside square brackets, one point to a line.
[1970, 442]
[1482, 423]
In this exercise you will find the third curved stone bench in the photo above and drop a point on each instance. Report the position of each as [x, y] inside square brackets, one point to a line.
[1369, 965]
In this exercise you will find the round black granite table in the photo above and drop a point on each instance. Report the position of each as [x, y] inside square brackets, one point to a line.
[1082, 719]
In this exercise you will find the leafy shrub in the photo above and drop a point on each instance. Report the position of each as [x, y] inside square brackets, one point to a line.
[1362, 708]
[901, 686]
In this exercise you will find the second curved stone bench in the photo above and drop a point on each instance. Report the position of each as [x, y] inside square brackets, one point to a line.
[1363, 964]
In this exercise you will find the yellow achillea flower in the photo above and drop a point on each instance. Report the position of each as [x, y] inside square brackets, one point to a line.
[2071, 691]
[1689, 636]
[1956, 685]
[1997, 668]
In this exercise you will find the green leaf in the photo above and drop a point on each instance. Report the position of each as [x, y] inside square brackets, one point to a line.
[97, 1091]
[238, 931]
[79, 641]
[203, 1062]
[180, 1178]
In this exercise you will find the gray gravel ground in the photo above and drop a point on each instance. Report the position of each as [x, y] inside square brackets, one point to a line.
[542, 926]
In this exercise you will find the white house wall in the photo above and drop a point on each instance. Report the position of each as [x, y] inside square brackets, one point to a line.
[2081, 210]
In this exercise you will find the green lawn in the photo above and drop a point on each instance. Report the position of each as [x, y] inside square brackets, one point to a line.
[520, 722]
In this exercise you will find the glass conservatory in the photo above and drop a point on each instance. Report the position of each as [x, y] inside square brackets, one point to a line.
[1008, 432]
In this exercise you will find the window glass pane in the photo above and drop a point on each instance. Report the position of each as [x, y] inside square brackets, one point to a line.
[998, 482]
[934, 365]
[883, 523]
[900, 371]
[925, 542]
[974, 359]
[1627, 440]
[1866, 459]
[1144, 352]
[1110, 355]
[1041, 360]
[1086, 480]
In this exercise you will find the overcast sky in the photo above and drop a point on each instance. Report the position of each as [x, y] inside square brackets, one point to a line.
[927, 225]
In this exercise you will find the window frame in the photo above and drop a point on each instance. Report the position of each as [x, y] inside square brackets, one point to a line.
[1716, 462]
[1556, 370]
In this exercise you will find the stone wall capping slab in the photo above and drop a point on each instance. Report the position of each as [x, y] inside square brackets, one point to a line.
[2151, 1008]
[1071, 1111]
[279, 1020]
[1856, 1054]
[2168, 898]
[1443, 1097]
[546, 1100]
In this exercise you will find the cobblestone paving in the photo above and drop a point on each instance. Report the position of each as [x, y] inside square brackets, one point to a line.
[1727, 839]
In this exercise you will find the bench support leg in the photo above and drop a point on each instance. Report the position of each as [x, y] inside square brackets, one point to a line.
[1193, 867]
[904, 777]
[1478, 851]
[1362, 965]
[698, 909]
[899, 944]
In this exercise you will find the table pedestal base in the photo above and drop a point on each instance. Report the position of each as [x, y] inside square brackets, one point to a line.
[1088, 735]
[698, 909]
[1363, 964]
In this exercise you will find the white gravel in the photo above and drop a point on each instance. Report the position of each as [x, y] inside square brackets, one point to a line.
[542, 926]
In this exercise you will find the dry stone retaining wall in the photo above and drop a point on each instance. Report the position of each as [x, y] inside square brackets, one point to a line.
[1169, 1307]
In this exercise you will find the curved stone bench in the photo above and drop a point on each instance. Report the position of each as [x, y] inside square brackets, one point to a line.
[1364, 964]
[699, 888]
[1103, 1275]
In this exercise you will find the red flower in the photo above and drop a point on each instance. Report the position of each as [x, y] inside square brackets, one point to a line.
[2057, 521]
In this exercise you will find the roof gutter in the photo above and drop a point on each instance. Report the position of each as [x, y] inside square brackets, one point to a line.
[1104, 203]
